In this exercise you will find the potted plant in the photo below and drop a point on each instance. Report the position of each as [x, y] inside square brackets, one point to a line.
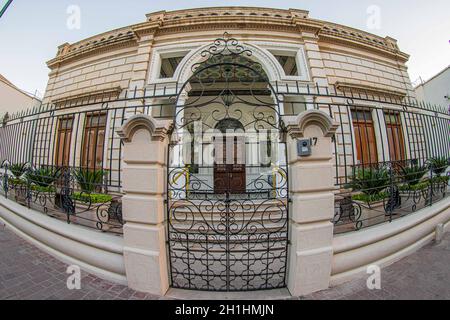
[413, 175]
[92, 203]
[439, 165]
[369, 185]
[18, 170]
[41, 180]
[16, 181]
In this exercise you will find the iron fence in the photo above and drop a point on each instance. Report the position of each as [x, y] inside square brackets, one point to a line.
[381, 148]
[390, 161]
[65, 160]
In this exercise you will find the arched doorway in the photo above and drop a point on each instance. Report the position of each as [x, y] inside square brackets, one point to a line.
[227, 177]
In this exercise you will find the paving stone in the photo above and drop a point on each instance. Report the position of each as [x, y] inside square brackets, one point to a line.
[26, 273]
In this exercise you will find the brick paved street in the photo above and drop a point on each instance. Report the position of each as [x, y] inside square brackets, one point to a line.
[425, 275]
[28, 273]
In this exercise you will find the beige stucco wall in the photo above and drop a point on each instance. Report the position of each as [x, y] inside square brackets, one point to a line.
[344, 64]
[12, 100]
[93, 74]
[106, 61]
[125, 59]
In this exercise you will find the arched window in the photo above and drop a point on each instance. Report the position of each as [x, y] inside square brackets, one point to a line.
[229, 124]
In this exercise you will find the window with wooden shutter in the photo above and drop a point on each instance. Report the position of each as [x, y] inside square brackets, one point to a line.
[395, 136]
[64, 138]
[365, 141]
[94, 141]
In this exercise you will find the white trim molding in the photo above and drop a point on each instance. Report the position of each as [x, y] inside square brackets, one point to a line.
[261, 53]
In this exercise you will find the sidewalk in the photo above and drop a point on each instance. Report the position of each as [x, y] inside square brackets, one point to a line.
[27, 273]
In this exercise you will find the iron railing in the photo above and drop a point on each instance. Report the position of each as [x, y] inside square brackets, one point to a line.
[395, 137]
[65, 161]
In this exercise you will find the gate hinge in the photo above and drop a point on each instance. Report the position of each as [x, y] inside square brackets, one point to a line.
[289, 242]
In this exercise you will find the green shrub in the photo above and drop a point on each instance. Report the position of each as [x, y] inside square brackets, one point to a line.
[91, 197]
[38, 188]
[89, 180]
[370, 198]
[438, 165]
[440, 179]
[414, 174]
[18, 169]
[43, 177]
[16, 182]
[415, 187]
[370, 181]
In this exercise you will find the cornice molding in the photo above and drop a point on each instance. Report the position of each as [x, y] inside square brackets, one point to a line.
[63, 99]
[342, 86]
[228, 18]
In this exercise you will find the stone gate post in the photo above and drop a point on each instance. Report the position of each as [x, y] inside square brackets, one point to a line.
[312, 207]
[144, 180]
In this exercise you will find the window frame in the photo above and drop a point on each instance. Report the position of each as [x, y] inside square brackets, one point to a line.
[96, 126]
[62, 153]
[401, 146]
[358, 143]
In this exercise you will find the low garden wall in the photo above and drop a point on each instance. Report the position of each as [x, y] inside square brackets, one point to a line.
[388, 243]
[93, 251]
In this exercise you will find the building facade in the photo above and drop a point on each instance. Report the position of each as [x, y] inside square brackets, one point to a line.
[13, 99]
[437, 89]
[232, 149]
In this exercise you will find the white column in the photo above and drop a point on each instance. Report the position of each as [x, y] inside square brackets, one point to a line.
[312, 209]
[144, 184]
[177, 161]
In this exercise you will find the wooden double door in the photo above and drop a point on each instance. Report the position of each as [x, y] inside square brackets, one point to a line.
[229, 166]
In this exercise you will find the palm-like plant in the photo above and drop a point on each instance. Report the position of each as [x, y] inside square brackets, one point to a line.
[371, 181]
[89, 180]
[414, 174]
[44, 176]
[18, 169]
[439, 165]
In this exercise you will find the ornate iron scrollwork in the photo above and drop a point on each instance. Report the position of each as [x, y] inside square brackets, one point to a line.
[228, 223]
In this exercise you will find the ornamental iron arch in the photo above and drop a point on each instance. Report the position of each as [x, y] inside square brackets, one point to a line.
[227, 193]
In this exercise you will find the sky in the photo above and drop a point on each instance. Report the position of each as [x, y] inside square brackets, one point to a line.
[31, 31]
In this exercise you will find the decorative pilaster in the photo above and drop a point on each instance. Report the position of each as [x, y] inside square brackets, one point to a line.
[144, 180]
[311, 186]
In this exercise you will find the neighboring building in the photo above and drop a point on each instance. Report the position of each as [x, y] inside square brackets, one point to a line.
[231, 147]
[13, 100]
[436, 90]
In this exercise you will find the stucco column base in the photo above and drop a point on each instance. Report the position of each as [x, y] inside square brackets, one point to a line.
[145, 148]
[146, 261]
[311, 258]
[312, 205]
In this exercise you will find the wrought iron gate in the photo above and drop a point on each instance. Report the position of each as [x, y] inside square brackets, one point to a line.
[228, 178]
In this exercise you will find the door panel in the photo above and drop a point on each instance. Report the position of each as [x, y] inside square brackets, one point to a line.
[230, 175]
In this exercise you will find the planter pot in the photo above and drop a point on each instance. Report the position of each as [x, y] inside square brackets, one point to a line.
[93, 216]
[371, 214]
[414, 200]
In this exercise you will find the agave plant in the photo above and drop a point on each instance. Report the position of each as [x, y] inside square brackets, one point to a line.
[439, 165]
[414, 174]
[18, 169]
[371, 181]
[89, 180]
[44, 176]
